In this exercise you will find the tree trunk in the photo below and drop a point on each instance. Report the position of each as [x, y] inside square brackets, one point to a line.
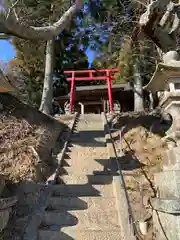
[29, 90]
[151, 101]
[47, 95]
[138, 90]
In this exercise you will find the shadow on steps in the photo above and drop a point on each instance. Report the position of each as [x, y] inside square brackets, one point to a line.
[54, 235]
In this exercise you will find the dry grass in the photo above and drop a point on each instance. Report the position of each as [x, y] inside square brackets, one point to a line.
[26, 138]
[16, 158]
[143, 150]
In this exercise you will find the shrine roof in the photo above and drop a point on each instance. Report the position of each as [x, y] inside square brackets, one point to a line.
[115, 87]
[97, 89]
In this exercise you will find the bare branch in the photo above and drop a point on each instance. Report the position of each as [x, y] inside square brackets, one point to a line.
[13, 27]
[14, 10]
[152, 23]
[142, 2]
[13, 5]
[5, 84]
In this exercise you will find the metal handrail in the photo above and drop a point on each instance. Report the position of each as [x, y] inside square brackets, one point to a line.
[131, 218]
[120, 139]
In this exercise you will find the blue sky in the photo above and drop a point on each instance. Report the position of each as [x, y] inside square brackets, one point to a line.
[7, 52]
[91, 54]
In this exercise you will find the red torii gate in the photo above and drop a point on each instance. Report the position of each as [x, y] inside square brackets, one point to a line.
[106, 77]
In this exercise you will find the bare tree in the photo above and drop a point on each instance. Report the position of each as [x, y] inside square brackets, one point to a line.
[47, 95]
[161, 23]
[12, 26]
[138, 90]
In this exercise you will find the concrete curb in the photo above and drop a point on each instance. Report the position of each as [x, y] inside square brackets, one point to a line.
[119, 189]
[52, 179]
[30, 231]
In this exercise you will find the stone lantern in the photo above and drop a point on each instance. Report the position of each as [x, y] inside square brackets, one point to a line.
[166, 205]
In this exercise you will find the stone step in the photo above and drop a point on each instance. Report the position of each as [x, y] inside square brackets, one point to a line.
[84, 123]
[89, 133]
[88, 152]
[90, 116]
[85, 179]
[89, 124]
[78, 163]
[82, 203]
[87, 155]
[82, 190]
[95, 131]
[171, 177]
[74, 234]
[82, 170]
[89, 141]
[91, 151]
[81, 167]
[83, 219]
[85, 127]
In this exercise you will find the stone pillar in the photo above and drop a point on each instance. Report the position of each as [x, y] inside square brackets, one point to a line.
[82, 108]
[166, 213]
[166, 203]
[104, 106]
[151, 101]
[108, 108]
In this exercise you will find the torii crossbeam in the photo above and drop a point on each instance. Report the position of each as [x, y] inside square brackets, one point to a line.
[88, 76]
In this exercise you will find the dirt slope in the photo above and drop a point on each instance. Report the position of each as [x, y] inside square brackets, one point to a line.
[143, 151]
[24, 133]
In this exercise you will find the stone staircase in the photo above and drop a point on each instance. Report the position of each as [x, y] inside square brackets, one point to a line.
[83, 206]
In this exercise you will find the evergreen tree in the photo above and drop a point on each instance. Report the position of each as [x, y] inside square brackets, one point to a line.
[30, 54]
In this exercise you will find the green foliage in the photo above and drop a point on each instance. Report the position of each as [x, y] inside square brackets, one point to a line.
[124, 42]
[30, 55]
[108, 27]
